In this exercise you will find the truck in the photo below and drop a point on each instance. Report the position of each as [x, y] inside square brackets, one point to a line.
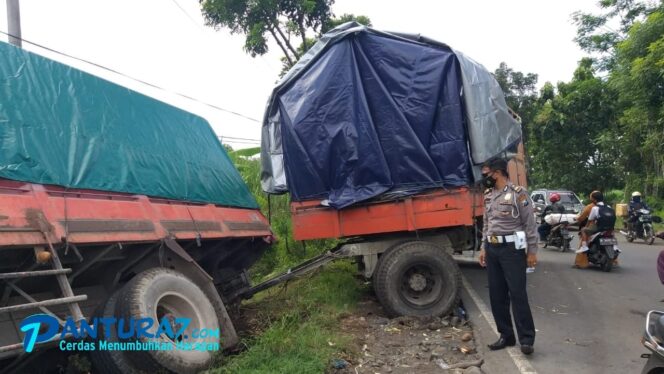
[379, 138]
[135, 209]
[114, 208]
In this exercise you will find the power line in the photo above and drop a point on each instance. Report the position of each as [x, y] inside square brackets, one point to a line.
[241, 142]
[232, 137]
[186, 13]
[130, 77]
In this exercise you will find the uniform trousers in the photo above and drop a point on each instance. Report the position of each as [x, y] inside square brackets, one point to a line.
[506, 267]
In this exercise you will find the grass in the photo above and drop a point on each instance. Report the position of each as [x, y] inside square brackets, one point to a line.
[301, 324]
[247, 152]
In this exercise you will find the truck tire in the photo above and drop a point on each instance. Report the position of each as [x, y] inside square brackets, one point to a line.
[417, 279]
[109, 361]
[159, 293]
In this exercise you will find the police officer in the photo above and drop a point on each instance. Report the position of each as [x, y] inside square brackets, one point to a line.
[507, 211]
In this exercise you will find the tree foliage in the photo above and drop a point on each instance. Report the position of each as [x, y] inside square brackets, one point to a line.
[569, 143]
[520, 90]
[638, 76]
[605, 131]
[327, 26]
[283, 20]
[521, 95]
[294, 25]
[600, 33]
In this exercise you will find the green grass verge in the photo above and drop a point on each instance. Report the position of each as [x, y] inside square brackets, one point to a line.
[247, 152]
[300, 320]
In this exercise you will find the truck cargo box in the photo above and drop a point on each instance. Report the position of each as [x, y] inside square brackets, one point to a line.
[62, 126]
[368, 114]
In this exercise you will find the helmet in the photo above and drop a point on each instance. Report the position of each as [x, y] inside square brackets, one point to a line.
[554, 197]
[636, 193]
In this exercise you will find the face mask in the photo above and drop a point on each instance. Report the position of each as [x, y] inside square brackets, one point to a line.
[488, 181]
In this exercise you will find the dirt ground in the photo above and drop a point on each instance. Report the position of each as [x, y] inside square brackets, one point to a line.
[406, 344]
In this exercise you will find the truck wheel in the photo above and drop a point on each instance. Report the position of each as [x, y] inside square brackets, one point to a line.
[162, 293]
[417, 279]
[109, 362]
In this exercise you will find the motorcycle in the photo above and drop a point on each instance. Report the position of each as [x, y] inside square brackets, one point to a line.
[642, 228]
[603, 250]
[559, 237]
[652, 339]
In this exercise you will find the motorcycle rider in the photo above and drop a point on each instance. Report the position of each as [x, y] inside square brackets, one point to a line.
[556, 207]
[581, 260]
[591, 227]
[636, 203]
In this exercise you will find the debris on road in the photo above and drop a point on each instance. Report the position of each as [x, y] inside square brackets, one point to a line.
[408, 344]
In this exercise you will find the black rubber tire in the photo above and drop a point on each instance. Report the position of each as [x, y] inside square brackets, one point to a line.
[110, 362]
[566, 245]
[142, 296]
[607, 265]
[417, 258]
[651, 236]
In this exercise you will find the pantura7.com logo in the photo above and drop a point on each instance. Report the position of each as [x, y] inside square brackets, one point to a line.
[141, 334]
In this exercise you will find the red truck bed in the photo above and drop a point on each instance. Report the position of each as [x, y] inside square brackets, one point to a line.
[86, 217]
[436, 209]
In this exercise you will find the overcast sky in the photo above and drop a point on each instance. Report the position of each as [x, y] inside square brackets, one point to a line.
[165, 43]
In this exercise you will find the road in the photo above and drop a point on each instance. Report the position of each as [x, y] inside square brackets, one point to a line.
[587, 321]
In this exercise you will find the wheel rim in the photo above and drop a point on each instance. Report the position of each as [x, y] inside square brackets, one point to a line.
[420, 285]
[175, 305]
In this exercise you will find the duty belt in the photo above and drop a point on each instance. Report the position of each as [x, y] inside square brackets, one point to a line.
[499, 239]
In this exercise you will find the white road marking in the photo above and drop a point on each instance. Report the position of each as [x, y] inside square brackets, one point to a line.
[522, 364]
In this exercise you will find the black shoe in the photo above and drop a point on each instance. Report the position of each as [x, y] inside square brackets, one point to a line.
[502, 343]
[527, 349]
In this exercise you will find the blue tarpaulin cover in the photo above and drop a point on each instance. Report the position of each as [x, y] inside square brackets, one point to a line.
[366, 113]
[62, 126]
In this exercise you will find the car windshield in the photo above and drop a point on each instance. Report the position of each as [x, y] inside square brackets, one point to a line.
[568, 198]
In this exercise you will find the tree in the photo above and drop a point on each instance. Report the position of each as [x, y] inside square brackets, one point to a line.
[346, 17]
[521, 95]
[281, 19]
[520, 91]
[327, 26]
[597, 34]
[638, 76]
[574, 134]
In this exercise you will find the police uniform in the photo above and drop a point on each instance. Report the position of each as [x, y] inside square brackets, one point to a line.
[506, 211]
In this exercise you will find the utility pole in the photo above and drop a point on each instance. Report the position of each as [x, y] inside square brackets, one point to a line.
[14, 22]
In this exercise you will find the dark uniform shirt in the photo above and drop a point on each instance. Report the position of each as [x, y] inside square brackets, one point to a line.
[635, 206]
[507, 211]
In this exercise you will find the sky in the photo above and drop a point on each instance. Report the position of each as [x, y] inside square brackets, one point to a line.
[166, 44]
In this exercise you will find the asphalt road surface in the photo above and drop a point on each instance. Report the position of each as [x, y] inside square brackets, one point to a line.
[587, 321]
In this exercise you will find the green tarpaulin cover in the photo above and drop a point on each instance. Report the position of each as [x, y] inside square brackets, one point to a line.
[61, 126]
